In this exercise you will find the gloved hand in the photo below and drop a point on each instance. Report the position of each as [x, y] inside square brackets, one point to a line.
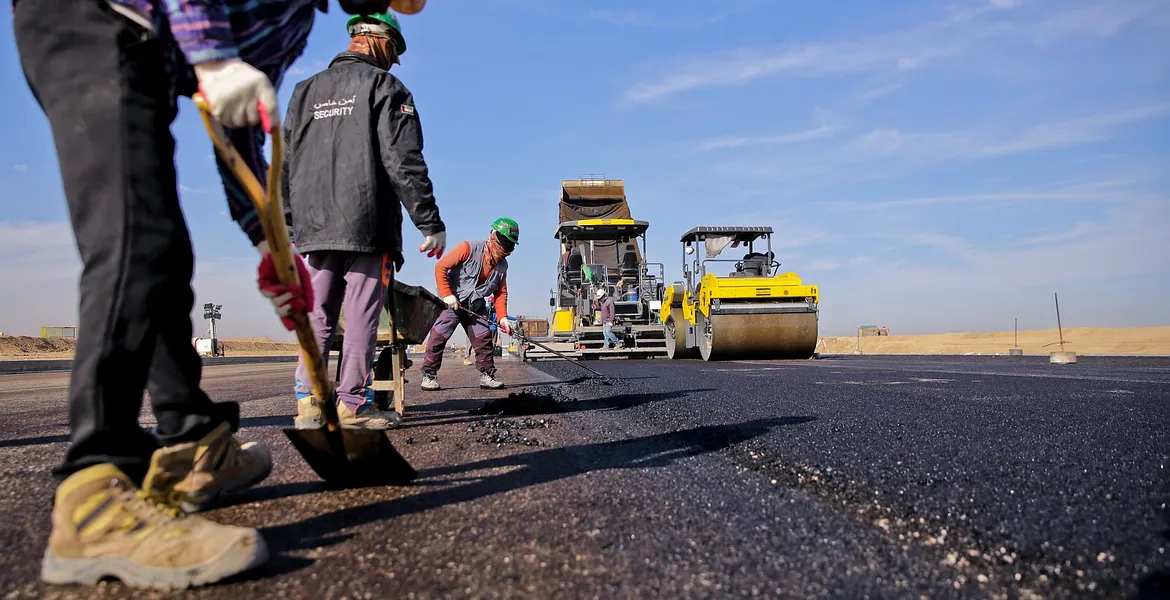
[505, 326]
[435, 243]
[237, 92]
[452, 302]
[285, 299]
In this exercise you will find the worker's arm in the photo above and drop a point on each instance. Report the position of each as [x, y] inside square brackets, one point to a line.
[401, 142]
[457, 255]
[202, 30]
[502, 299]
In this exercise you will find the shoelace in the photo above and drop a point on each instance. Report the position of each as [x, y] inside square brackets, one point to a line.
[162, 502]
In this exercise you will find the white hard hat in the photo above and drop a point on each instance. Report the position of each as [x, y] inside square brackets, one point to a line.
[600, 292]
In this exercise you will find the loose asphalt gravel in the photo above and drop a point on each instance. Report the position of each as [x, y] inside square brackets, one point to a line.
[849, 477]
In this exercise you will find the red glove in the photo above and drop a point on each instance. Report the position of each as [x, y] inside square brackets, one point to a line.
[285, 299]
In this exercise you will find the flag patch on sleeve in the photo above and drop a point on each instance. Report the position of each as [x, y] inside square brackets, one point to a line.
[407, 109]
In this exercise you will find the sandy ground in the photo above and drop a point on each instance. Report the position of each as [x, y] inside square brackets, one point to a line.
[1133, 341]
[1099, 341]
[35, 348]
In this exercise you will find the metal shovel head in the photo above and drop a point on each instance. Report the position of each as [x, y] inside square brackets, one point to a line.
[352, 457]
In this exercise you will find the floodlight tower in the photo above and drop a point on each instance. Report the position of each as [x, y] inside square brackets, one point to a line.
[212, 314]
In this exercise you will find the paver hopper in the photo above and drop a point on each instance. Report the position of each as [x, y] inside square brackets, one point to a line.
[752, 312]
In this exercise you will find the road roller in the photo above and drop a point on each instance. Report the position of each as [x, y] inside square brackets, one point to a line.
[739, 307]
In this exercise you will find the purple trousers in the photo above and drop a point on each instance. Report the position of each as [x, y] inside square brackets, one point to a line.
[351, 281]
[478, 334]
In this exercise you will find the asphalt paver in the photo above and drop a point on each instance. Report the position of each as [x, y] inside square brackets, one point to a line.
[839, 477]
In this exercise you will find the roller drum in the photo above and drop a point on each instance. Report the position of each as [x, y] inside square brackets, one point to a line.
[676, 337]
[758, 336]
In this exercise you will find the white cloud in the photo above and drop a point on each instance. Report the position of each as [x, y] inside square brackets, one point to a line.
[903, 50]
[1072, 131]
[186, 189]
[1101, 19]
[634, 18]
[22, 168]
[795, 137]
[1099, 192]
[1078, 232]
[892, 149]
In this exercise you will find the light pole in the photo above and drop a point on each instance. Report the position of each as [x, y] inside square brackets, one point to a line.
[212, 314]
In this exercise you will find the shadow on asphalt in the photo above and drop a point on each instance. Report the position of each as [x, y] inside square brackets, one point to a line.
[438, 413]
[535, 468]
[33, 441]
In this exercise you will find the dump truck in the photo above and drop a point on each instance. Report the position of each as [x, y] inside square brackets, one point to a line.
[602, 247]
[737, 308]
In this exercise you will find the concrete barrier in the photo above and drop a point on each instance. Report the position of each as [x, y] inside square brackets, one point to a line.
[8, 367]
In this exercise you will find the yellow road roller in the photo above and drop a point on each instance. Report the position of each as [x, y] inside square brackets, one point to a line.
[739, 307]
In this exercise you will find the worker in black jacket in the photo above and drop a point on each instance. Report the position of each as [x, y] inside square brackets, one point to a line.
[354, 158]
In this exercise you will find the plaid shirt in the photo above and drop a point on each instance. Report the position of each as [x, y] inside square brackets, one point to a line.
[267, 34]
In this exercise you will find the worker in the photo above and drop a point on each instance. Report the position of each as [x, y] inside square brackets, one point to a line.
[108, 76]
[352, 164]
[608, 309]
[466, 277]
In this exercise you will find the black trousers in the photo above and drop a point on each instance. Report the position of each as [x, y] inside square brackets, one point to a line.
[100, 80]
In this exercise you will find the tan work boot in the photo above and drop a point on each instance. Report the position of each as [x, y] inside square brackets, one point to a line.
[309, 415]
[214, 467]
[368, 416]
[103, 526]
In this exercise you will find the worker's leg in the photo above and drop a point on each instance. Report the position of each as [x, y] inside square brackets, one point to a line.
[441, 331]
[105, 94]
[364, 294]
[327, 276]
[100, 80]
[610, 338]
[480, 338]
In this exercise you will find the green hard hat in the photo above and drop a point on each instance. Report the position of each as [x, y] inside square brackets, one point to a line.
[507, 228]
[387, 19]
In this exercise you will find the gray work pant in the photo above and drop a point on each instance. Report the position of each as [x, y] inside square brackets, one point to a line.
[351, 281]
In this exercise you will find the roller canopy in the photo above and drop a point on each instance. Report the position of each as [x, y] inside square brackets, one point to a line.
[739, 234]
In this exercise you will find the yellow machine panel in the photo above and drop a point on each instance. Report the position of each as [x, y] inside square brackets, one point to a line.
[563, 320]
[783, 286]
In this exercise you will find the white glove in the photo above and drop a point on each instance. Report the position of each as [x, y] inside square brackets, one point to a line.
[506, 326]
[435, 243]
[236, 90]
[452, 302]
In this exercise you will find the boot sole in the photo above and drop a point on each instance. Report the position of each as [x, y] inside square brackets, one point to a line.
[244, 555]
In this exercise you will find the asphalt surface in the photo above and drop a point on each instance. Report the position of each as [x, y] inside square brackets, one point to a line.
[841, 477]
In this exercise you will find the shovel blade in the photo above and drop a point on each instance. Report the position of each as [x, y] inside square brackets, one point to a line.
[352, 457]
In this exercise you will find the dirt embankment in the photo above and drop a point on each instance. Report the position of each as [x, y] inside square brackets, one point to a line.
[35, 348]
[1130, 341]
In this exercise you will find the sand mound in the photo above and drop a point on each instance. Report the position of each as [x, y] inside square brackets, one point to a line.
[22, 347]
[1131, 341]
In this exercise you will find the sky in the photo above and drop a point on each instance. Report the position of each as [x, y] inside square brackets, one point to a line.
[932, 166]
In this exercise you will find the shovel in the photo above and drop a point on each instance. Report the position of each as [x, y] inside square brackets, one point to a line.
[520, 336]
[345, 457]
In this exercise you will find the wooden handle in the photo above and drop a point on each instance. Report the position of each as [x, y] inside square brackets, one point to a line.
[271, 216]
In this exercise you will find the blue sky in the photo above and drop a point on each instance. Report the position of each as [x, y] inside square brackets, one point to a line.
[932, 166]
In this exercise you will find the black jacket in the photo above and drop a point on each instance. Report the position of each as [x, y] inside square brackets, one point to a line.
[353, 148]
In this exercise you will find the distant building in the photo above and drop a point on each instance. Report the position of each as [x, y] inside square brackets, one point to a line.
[59, 332]
[872, 330]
